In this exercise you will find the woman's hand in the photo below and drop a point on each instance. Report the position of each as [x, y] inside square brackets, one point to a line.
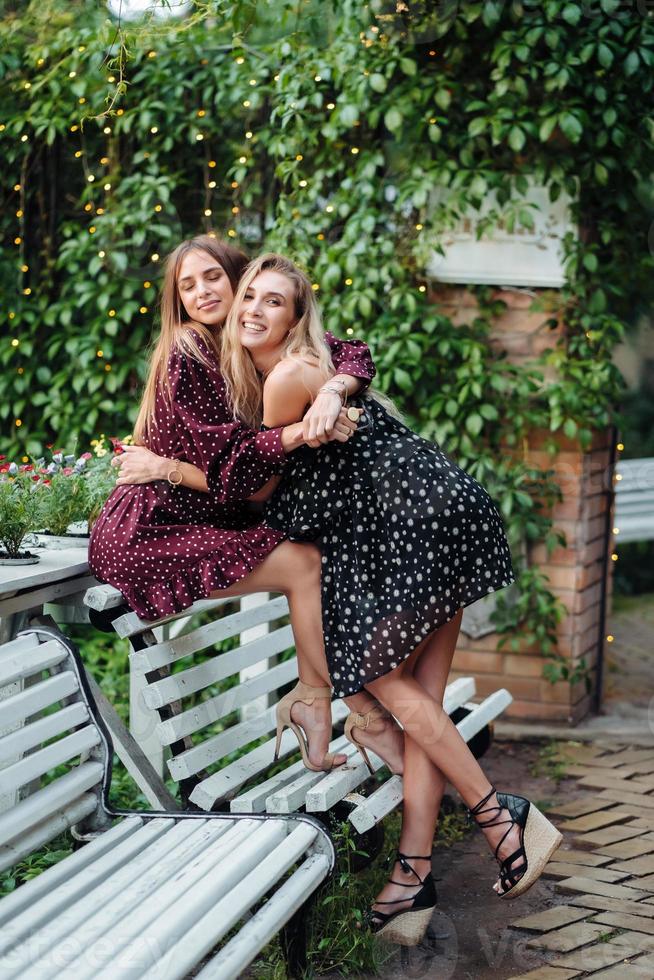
[327, 420]
[340, 431]
[139, 465]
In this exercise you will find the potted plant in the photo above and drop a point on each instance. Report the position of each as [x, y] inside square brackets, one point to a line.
[64, 498]
[100, 475]
[21, 493]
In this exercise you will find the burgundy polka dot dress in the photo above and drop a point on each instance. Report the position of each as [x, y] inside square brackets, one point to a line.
[165, 547]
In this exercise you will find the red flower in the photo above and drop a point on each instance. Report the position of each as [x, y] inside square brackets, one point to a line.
[5, 468]
[49, 445]
[48, 482]
[36, 478]
[27, 467]
[86, 456]
[67, 470]
[3, 457]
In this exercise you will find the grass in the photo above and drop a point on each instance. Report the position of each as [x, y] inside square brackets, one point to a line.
[551, 762]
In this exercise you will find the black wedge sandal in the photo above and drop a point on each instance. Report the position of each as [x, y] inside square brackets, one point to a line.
[406, 926]
[538, 840]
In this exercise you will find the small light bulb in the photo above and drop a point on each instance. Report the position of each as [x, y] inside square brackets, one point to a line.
[247, 103]
[90, 178]
[112, 312]
[315, 286]
[155, 256]
[242, 159]
[147, 284]
[619, 447]
[212, 163]
[101, 253]
[71, 74]
[154, 129]
[143, 309]
[231, 233]
[15, 342]
[207, 212]
[106, 130]
[609, 638]
[157, 207]
[614, 557]
[199, 136]
[99, 353]
[348, 282]
[212, 183]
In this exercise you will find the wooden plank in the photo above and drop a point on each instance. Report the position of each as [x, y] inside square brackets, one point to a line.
[224, 784]
[101, 597]
[49, 800]
[42, 830]
[131, 754]
[372, 809]
[131, 625]
[57, 874]
[26, 738]
[57, 753]
[165, 884]
[186, 682]
[168, 652]
[481, 714]
[48, 692]
[258, 704]
[201, 715]
[197, 927]
[222, 892]
[291, 797]
[266, 923]
[76, 918]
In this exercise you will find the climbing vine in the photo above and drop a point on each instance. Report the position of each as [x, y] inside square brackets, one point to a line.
[324, 129]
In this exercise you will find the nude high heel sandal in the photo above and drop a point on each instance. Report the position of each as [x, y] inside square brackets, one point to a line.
[538, 840]
[365, 722]
[307, 694]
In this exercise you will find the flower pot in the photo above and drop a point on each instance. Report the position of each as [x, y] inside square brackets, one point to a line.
[22, 558]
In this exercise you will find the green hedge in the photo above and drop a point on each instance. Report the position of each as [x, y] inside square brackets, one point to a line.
[322, 129]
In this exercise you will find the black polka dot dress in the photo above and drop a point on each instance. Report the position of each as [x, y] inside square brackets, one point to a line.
[407, 539]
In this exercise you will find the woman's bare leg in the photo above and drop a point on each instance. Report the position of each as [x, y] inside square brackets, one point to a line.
[424, 783]
[293, 568]
[425, 721]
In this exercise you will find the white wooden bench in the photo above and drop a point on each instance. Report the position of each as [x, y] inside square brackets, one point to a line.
[152, 894]
[634, 500]
[223, 761]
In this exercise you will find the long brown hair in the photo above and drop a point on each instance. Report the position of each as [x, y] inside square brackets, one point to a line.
[304, 341]
[177, 329]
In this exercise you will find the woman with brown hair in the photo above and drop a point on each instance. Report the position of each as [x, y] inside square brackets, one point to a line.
[408, 539]
[176, 527]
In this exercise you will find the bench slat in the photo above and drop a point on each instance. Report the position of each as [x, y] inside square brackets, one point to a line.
[176, 871]
[130, 624]
[25, 663]
[18, 707]
[186, 682]
[291, 797]
[222, 785]
[217, 908]
[77, 879]
[264, 924]
[24, 739]
[38, 763]
[166, 653]
[214, 749]
[101, 597]
[482, 714]
[167, 884]
[45, 884]
[73, 924]
[38, 834]
[49, 801]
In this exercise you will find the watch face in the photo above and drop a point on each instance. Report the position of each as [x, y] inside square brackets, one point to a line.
[133, 9]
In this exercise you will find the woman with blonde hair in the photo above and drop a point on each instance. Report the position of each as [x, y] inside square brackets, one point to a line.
[177, 528]
[407, 539]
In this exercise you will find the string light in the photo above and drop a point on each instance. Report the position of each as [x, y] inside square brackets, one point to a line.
[78, 154]
[147, 284]
[27, 291]
[298, 156]
[212, 163]
[18, 423]
[104, 161]
[107, 367]
[88, 207]
[99, 353]
[111, 79]
[21, 370]
[107, 187]
[112, 313]
[28, 84]
[15, 342]
[17, 240]
[24, 138]
[92, 230]
[74, 129]
[11, 314]
[71, 74]
[16, 187]
[99, 211]
[320, 237]
[19, 214]
[329, 209]
[247, 103]
[242, 159]
[212, 183]
[41, 61]
[422, 289]
[248, 135]
[81, 100]
[207, 212]
[619, 447]
[90, 178]
[106, 130]
[157, 207]
[419, 227]
[303, 183]
[155, 256]
[152, 54]
[355, 149]
[616, 530]
[201, 113]
[348, 282]
[609, 638]
[239, 60]
[2, 127]
[331, 105]
[317, 78]
[253, 81]
[618, 476]
[143, 309]
[234, 184]
[154, 129]
[24, 268]
[315, 286]
[119, 112]
[231, 233]
[614, 557]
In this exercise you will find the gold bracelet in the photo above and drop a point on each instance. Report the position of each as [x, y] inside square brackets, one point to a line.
[175, 469]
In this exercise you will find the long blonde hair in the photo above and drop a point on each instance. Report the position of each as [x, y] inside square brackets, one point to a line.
[305, 340]
[177, 330]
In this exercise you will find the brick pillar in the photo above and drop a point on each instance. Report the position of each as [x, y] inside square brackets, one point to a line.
[575, 572]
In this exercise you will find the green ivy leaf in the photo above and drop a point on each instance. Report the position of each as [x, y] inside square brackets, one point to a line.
[377, 82]
[393, 120]
[605, 55]
[570, 126]
[517, 138]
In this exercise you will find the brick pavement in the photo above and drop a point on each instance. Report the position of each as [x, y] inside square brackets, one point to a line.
[604, 928]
